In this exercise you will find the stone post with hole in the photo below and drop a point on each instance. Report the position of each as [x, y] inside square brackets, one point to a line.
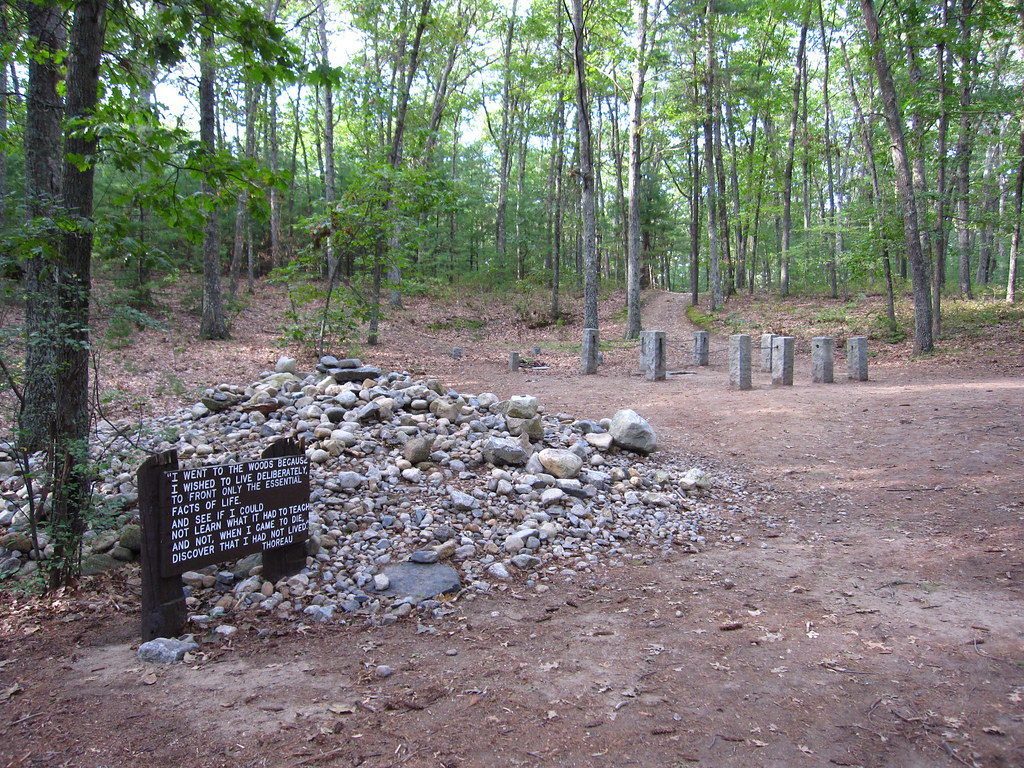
[701, 348]
[652, 355]
[822, 359]
[739, 361]
[588, 354]
[782, 361]
[766, 352]
[857, 358]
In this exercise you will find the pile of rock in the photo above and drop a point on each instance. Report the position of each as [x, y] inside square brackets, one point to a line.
[494, 490]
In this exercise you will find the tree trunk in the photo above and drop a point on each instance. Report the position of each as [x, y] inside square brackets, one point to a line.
[213, 325]
[42, 192]
[557, 169]
[589, 234]
[504, 142]
[328, 123]
[787, 177]
[714, 267]
[964, 147]
[71, 422]
[1011, 276]
[904, 183]
[636, 104]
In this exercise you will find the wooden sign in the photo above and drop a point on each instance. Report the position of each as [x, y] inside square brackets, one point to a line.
[196, 517]
[226, 511]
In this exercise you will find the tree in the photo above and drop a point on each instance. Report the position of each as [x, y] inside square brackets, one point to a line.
[923, 342]
[213, 325]
[586, 169]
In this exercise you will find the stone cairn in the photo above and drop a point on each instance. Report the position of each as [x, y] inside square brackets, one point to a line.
[405, 473]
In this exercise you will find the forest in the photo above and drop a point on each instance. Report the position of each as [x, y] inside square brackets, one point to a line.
[359, 152]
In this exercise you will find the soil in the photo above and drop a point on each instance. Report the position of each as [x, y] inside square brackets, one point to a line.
[879, 625]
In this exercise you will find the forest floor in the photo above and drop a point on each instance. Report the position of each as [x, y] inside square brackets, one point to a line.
[881, 625]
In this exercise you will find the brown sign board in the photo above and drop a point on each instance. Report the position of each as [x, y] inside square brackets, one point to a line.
[223, 512]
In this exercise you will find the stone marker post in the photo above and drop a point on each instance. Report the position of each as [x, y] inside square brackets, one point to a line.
[857, 358]
[513, 362]
[588, 355]
[652, 355]
[701, 348]
[782, 361]
[766, 352]
[739, 361]
[822, 359]
[456, 352]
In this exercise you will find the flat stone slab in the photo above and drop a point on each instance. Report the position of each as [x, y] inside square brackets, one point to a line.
[420, 581]
[343, 375]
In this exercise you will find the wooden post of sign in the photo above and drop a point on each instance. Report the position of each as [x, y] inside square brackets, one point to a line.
[163, 600]
[288, 560]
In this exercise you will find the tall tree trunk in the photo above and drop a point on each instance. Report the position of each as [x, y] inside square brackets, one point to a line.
[694, 158]
[328, 122]
[42, 192]
[941, 185]
[1018, 199]
[557, 168]
[636, 104]
[787, 177]
[964, 147]
[71, 417]
[213, 325]
[833, 229]
[714, 267]
[4, 33]
[504, 142]
[589, 234]
[923, 342]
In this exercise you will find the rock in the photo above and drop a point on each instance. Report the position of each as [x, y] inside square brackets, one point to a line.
[694, 478]
[462, 502]
[446, 550]
[424, 556]
[560, 463]
[98, 563]
[418, 449]
[166, 650]
[526, 562]
[629, 430]
[319, 456]
[421, 582]
[131, 538]
[498, 571]
[123, 554]
[383, 670]
[501, 451]
[533, 428]
[349, 481]
[342, 375]
[600, 440]
[522, 407]
[381, 582]
[514, 543]
[285, 365]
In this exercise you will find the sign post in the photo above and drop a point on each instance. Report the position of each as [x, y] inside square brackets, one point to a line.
[191, 518]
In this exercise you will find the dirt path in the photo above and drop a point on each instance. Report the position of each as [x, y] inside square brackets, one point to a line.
[878, 624]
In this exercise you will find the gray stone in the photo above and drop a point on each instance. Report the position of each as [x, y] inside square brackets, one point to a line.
[526, 562]
[498, 571]
[418, 449]
[701, 348]
[500, 451]
[420, 582]
[463, 502]
[589, 351]
[857, 358]
[560, 463]
[343, 375]
[629, 430]
[349, 481]
[513, 362]
[166, 650]
[766, 352]
[285, 365]
[600, 440]
[822, 360]
[532, 428]
[739, 362]
[424, 557]
[131, 538]
[98, 563]
[782, 361]
[652, 355]
[522, 407]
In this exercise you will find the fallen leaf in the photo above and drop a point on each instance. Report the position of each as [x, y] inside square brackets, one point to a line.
[342, 708]
[804, 749]
[758, 743]
[7, 693]
[148, 679]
